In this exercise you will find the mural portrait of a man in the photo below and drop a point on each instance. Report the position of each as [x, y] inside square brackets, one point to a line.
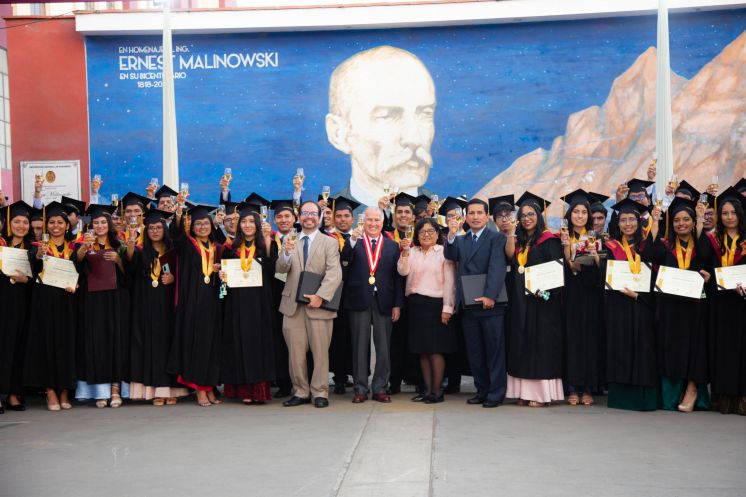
[381, 113]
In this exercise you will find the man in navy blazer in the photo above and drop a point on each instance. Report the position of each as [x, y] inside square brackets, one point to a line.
[481, 251]
[373, 295]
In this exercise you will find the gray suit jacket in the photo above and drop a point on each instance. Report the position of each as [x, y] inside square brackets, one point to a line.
[323, 258]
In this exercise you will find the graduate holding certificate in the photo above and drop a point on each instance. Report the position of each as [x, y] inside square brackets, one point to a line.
[682, 326]
[631, 365]
[728, 307]
[15, 291]
[534, 339]
[247, 363]
[50, 350]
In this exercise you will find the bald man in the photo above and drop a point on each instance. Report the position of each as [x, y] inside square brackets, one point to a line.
[381, 113]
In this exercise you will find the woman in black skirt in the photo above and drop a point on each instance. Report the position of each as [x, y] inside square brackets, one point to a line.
[431, 293]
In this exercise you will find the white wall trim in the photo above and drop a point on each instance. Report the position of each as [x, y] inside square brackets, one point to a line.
[312, 18]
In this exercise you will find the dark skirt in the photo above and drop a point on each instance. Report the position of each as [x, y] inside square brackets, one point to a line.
[427, 333]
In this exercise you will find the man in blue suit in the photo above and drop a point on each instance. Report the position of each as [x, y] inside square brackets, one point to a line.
[481, 251]
[373, 295]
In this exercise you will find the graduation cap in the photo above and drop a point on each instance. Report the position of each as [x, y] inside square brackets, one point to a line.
[247, 208]
[578, 196]
[14, 210]
[529, 198]
[72, 205]
[451, 203]
[710, 199]
[404, 200]
[200, 211]
[135, 199]
[165, 191]
[98, 210]
[600, 197]
[502, 203]
[37, 214]
[731, 194]
[638, 185]
[679, 204]
[232, 207]
[628, 205]
[598, 204]
[341, 203]
[686, 188]
[421, 203]
[282, 205]
[740, 186]
[257, 199]
[154, 216]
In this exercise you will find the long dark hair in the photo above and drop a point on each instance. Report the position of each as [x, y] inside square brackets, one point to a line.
[588, 222]
[523, 239]
[421, 224]
[637, 237]
[149, 253]
[210, 237]
[672, 232]
[721, 232]
[27, 240]
[111, 234]
[261, 250]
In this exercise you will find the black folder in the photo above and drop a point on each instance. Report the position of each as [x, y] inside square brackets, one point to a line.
[309, 283]
[472, 287]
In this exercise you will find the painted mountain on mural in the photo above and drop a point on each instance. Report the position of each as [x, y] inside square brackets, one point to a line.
[610, 144]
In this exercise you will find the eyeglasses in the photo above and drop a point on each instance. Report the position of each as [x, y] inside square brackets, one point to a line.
[638, 197]
[309, 213]
[202, 224]
[502, 216]
[427, 232]
[528, 214]
[155, 227]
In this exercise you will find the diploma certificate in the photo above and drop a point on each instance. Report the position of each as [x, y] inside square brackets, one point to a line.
[236, 277]
[727, 277]
[681, 282]
[619, 276]
[59, 273]
[546, 276]
[15, 260]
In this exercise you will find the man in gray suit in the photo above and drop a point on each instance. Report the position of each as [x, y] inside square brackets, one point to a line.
[308, 325]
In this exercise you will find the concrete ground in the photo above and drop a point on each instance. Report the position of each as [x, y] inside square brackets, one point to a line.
[381, 450]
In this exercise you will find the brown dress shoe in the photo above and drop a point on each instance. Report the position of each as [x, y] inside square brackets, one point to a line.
[381, 397]
[359, 398]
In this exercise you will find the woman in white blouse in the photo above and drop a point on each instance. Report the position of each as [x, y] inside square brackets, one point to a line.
[431, 293]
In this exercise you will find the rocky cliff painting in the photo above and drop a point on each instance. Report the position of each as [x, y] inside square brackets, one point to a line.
[607, 145]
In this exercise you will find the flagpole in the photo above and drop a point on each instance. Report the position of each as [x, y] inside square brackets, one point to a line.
[170, 144]
[663, 126]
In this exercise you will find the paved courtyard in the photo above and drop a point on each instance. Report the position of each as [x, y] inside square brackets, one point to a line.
[399, 449]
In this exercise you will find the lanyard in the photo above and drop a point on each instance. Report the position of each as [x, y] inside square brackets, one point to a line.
[634, 262]
[684, 259]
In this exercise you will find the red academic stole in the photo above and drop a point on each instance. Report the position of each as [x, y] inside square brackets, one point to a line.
[731, 252]
[683, 256]
[373, 258]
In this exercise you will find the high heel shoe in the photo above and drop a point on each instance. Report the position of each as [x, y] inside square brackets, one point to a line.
[52, 407]
[20, 407]
[688, 406]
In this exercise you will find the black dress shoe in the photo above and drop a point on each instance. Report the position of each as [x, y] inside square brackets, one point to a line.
[17, 407]
[339, 389]
[475, 400]
[281, 393]
[490, 403]
[434, 399]
[420, 397]
[321, 402]
[296, 401]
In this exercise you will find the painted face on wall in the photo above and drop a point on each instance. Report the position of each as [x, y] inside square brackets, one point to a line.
[382, 109]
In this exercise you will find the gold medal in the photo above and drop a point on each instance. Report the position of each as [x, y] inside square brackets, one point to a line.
[12, 281]
[207, 280]
[521, 269]
[155, 283]
[372, 280]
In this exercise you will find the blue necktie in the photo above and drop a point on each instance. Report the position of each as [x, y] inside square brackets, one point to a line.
[373, 245]
[305, 250]
[473, 240]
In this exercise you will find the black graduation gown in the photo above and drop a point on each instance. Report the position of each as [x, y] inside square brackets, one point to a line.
[14, 307]
[534, 339]
[583, 327]
[104, 329]
[727, 330]
[195, 351]
[630, 329]
[282, 366]
[50, 347]
[340, 348]
[248, 351]
[153, 311]
[682, 322]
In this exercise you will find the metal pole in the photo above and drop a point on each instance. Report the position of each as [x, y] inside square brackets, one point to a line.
[170, 144]
[663, 127]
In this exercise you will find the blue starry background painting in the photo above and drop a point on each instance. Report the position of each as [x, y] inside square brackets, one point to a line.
[502, 91]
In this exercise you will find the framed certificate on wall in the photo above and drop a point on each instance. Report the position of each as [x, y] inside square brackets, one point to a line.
[61, 177]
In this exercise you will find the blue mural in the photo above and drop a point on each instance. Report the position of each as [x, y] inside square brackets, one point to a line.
[258, 102]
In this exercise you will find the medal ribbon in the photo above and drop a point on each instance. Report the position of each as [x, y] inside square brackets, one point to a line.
[207, 256]
[572, 236]
[373, 259]
[647, 227]
[684, 260]
[730, 252]
[155, 270]
[522, 256]
[66, 250]
[634, 262]
[247, 256]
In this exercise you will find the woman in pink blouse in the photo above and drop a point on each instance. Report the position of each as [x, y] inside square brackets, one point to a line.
[431, 293]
